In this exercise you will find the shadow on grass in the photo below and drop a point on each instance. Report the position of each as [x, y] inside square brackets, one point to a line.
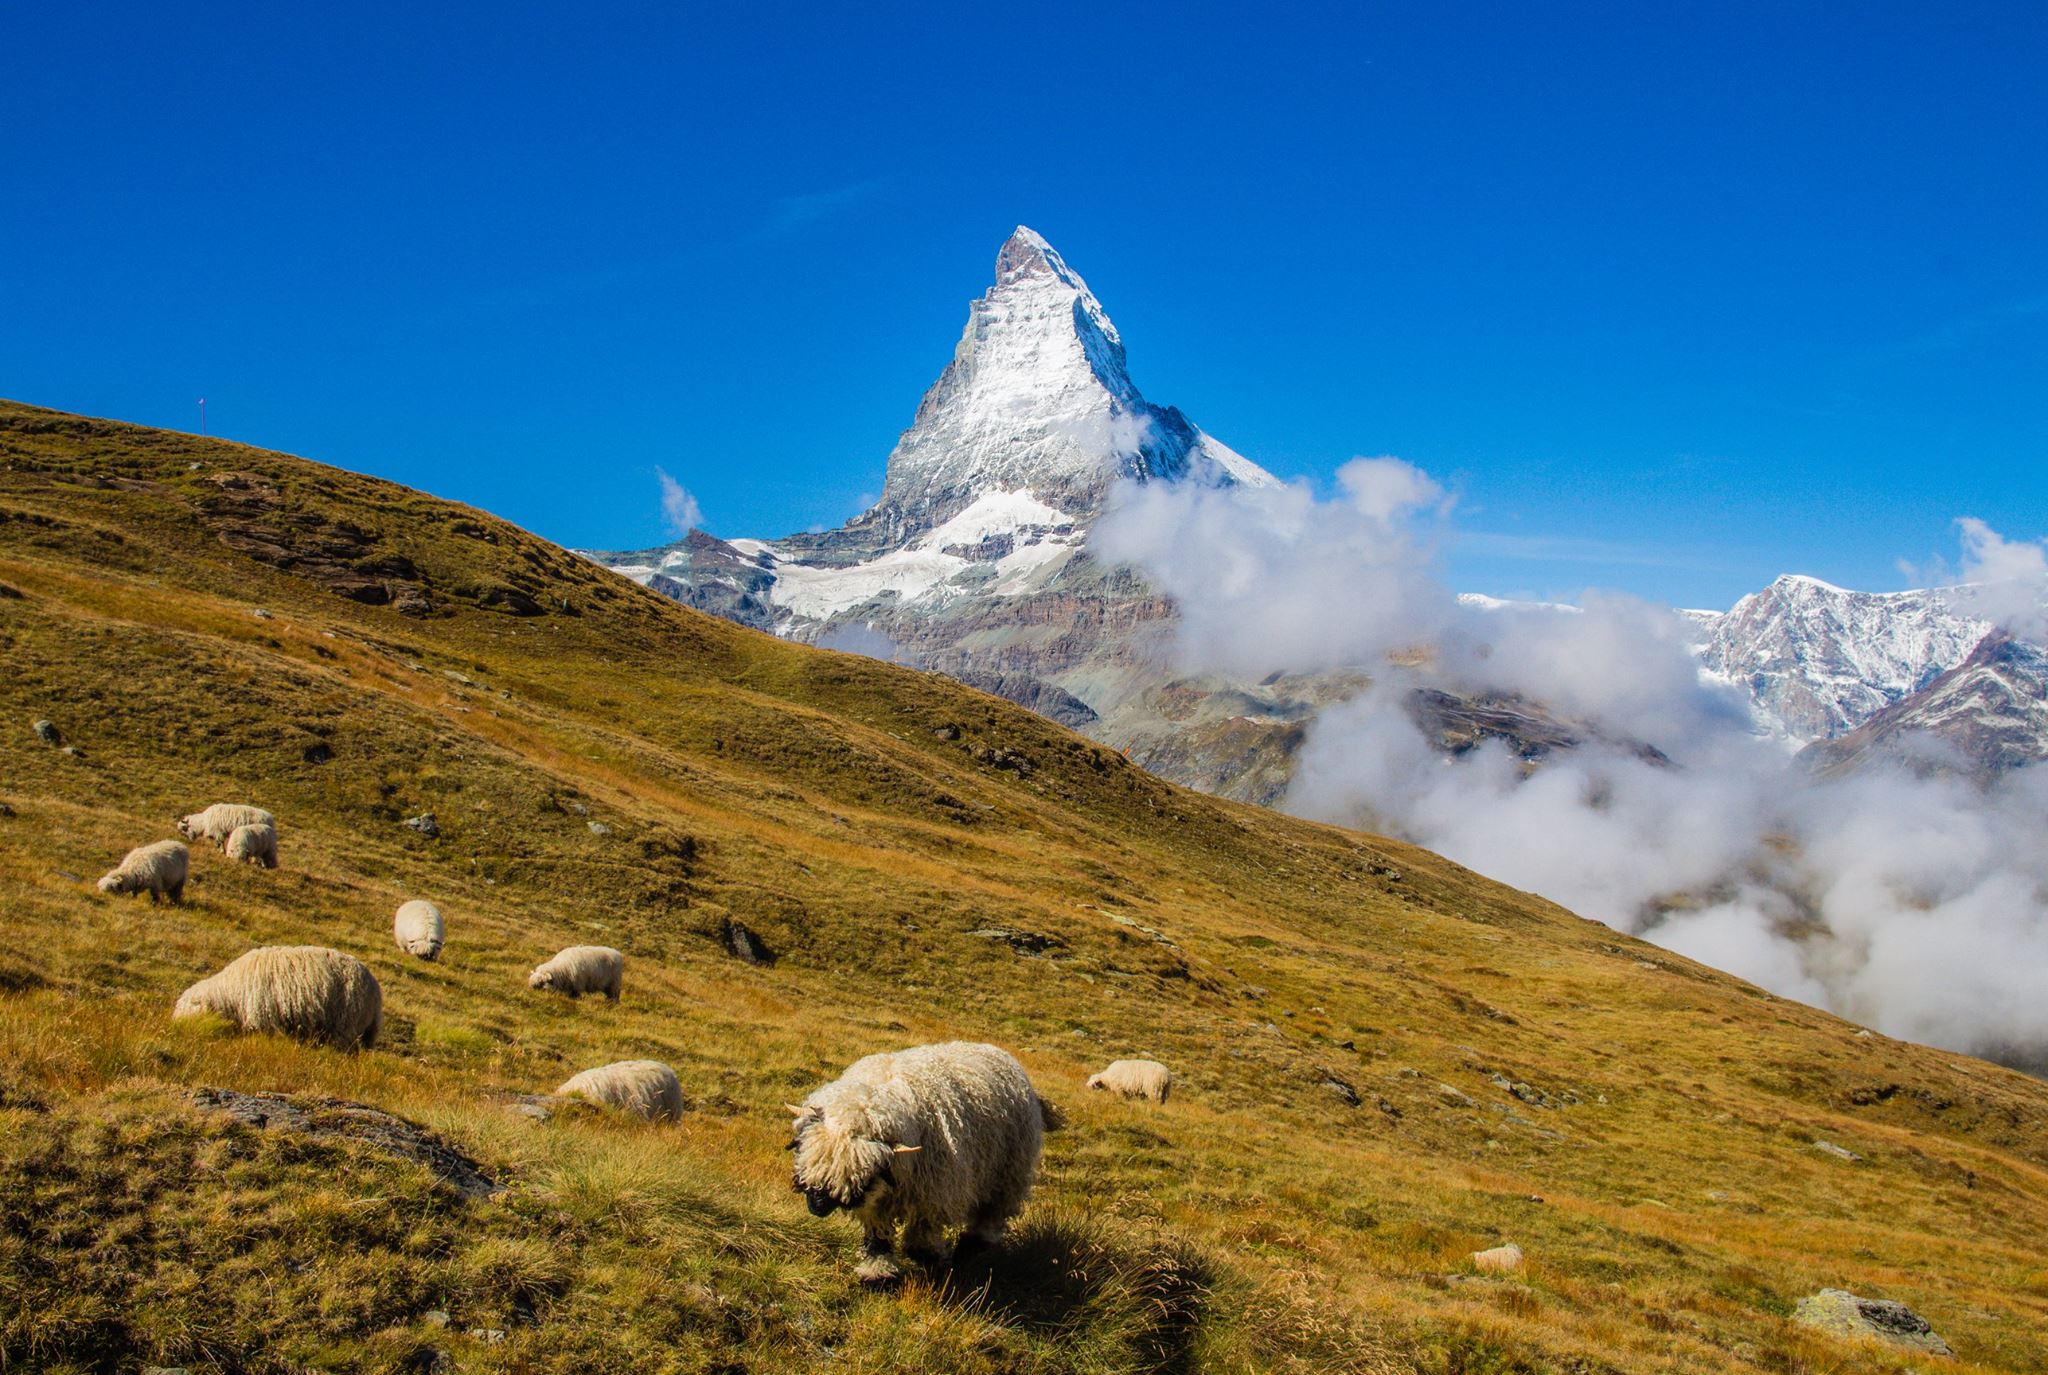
[1070, 1280]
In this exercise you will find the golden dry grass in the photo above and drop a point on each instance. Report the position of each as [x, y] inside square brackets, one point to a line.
[1657, 1162]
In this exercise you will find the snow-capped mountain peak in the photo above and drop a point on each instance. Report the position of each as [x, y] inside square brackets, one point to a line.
[1038, 398]
[1818, 660]
[989, 494]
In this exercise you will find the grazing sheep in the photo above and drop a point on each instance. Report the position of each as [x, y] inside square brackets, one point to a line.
[582, 969]
[1135, 1079]
[306, 991]
[253, 845]
[419, 930]
[158, 870]
[1500, 1260]
[644, 1088]
[931, 1138]
[218, 822]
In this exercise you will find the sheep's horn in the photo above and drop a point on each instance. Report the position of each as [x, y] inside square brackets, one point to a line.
[908, 1150]
[793, 1110]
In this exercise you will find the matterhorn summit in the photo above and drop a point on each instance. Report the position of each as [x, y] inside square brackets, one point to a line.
[988, 496]
[1038, 398]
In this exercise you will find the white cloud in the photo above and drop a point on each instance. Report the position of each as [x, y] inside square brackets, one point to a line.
[679, 510]
[2009, 578]
[1918, 905]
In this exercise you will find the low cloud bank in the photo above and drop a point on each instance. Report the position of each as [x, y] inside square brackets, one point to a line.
[1915, 905]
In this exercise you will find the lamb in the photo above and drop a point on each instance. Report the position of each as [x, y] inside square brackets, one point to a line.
[644, 1088]
[219, 821]
[582, 969]
[306, 991]
[254, 844]
[1135, 1079]
[158, 870]
[932, 1138]
[418, 929]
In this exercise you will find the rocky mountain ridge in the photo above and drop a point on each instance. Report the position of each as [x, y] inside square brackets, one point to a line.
[975, 562]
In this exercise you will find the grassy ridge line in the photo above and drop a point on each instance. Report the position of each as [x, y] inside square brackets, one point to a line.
[815, 796]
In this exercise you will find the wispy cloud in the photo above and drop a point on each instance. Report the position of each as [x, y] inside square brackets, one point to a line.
[793, 212]
[679, 510]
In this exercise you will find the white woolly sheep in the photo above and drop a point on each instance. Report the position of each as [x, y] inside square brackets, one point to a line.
[582, 969]
[158, 869]
[256, 844]
[1135, 1079]
[644, 1088]
[418, 929]
[219, 821]
[931, 1138]
[306, 991]
[1499, 1260]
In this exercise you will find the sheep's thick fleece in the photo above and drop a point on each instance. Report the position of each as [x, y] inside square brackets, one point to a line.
[1135, 1079]
[158, 869]
[582, 969]
[419, 929]
[929, 1139]
[306, 991]
[218, 822]
[255, 844]
[644, 1088]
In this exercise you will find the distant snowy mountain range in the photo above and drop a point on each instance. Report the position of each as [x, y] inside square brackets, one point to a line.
[974, 562]
[1919, 677]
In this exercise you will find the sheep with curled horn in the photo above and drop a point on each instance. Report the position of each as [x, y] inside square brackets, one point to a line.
[924, 1140]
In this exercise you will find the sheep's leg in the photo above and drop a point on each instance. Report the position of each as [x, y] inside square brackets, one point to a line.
[177, 894]
[925, 1242]
[986, 1227]
[877, 1264]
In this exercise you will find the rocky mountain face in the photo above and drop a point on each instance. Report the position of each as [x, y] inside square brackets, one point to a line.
[1818, 660]
[974, 560]
[1919, 678]
[1987, 715]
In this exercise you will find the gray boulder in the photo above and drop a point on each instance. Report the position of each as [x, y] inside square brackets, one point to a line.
[1845, 1315]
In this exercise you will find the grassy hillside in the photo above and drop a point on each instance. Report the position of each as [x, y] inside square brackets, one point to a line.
[1386, 1062]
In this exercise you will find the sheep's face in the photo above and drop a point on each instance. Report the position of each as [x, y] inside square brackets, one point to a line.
[541, 978]
[115, 883]
[836, 1168]
[1095, 1082]
[190, 1004]
[188, 827]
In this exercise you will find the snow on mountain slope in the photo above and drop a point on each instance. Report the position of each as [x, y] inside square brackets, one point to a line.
[1987, 715]
[1817, 660]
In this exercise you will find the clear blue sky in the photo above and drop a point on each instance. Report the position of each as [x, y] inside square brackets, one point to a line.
[1677, 297]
